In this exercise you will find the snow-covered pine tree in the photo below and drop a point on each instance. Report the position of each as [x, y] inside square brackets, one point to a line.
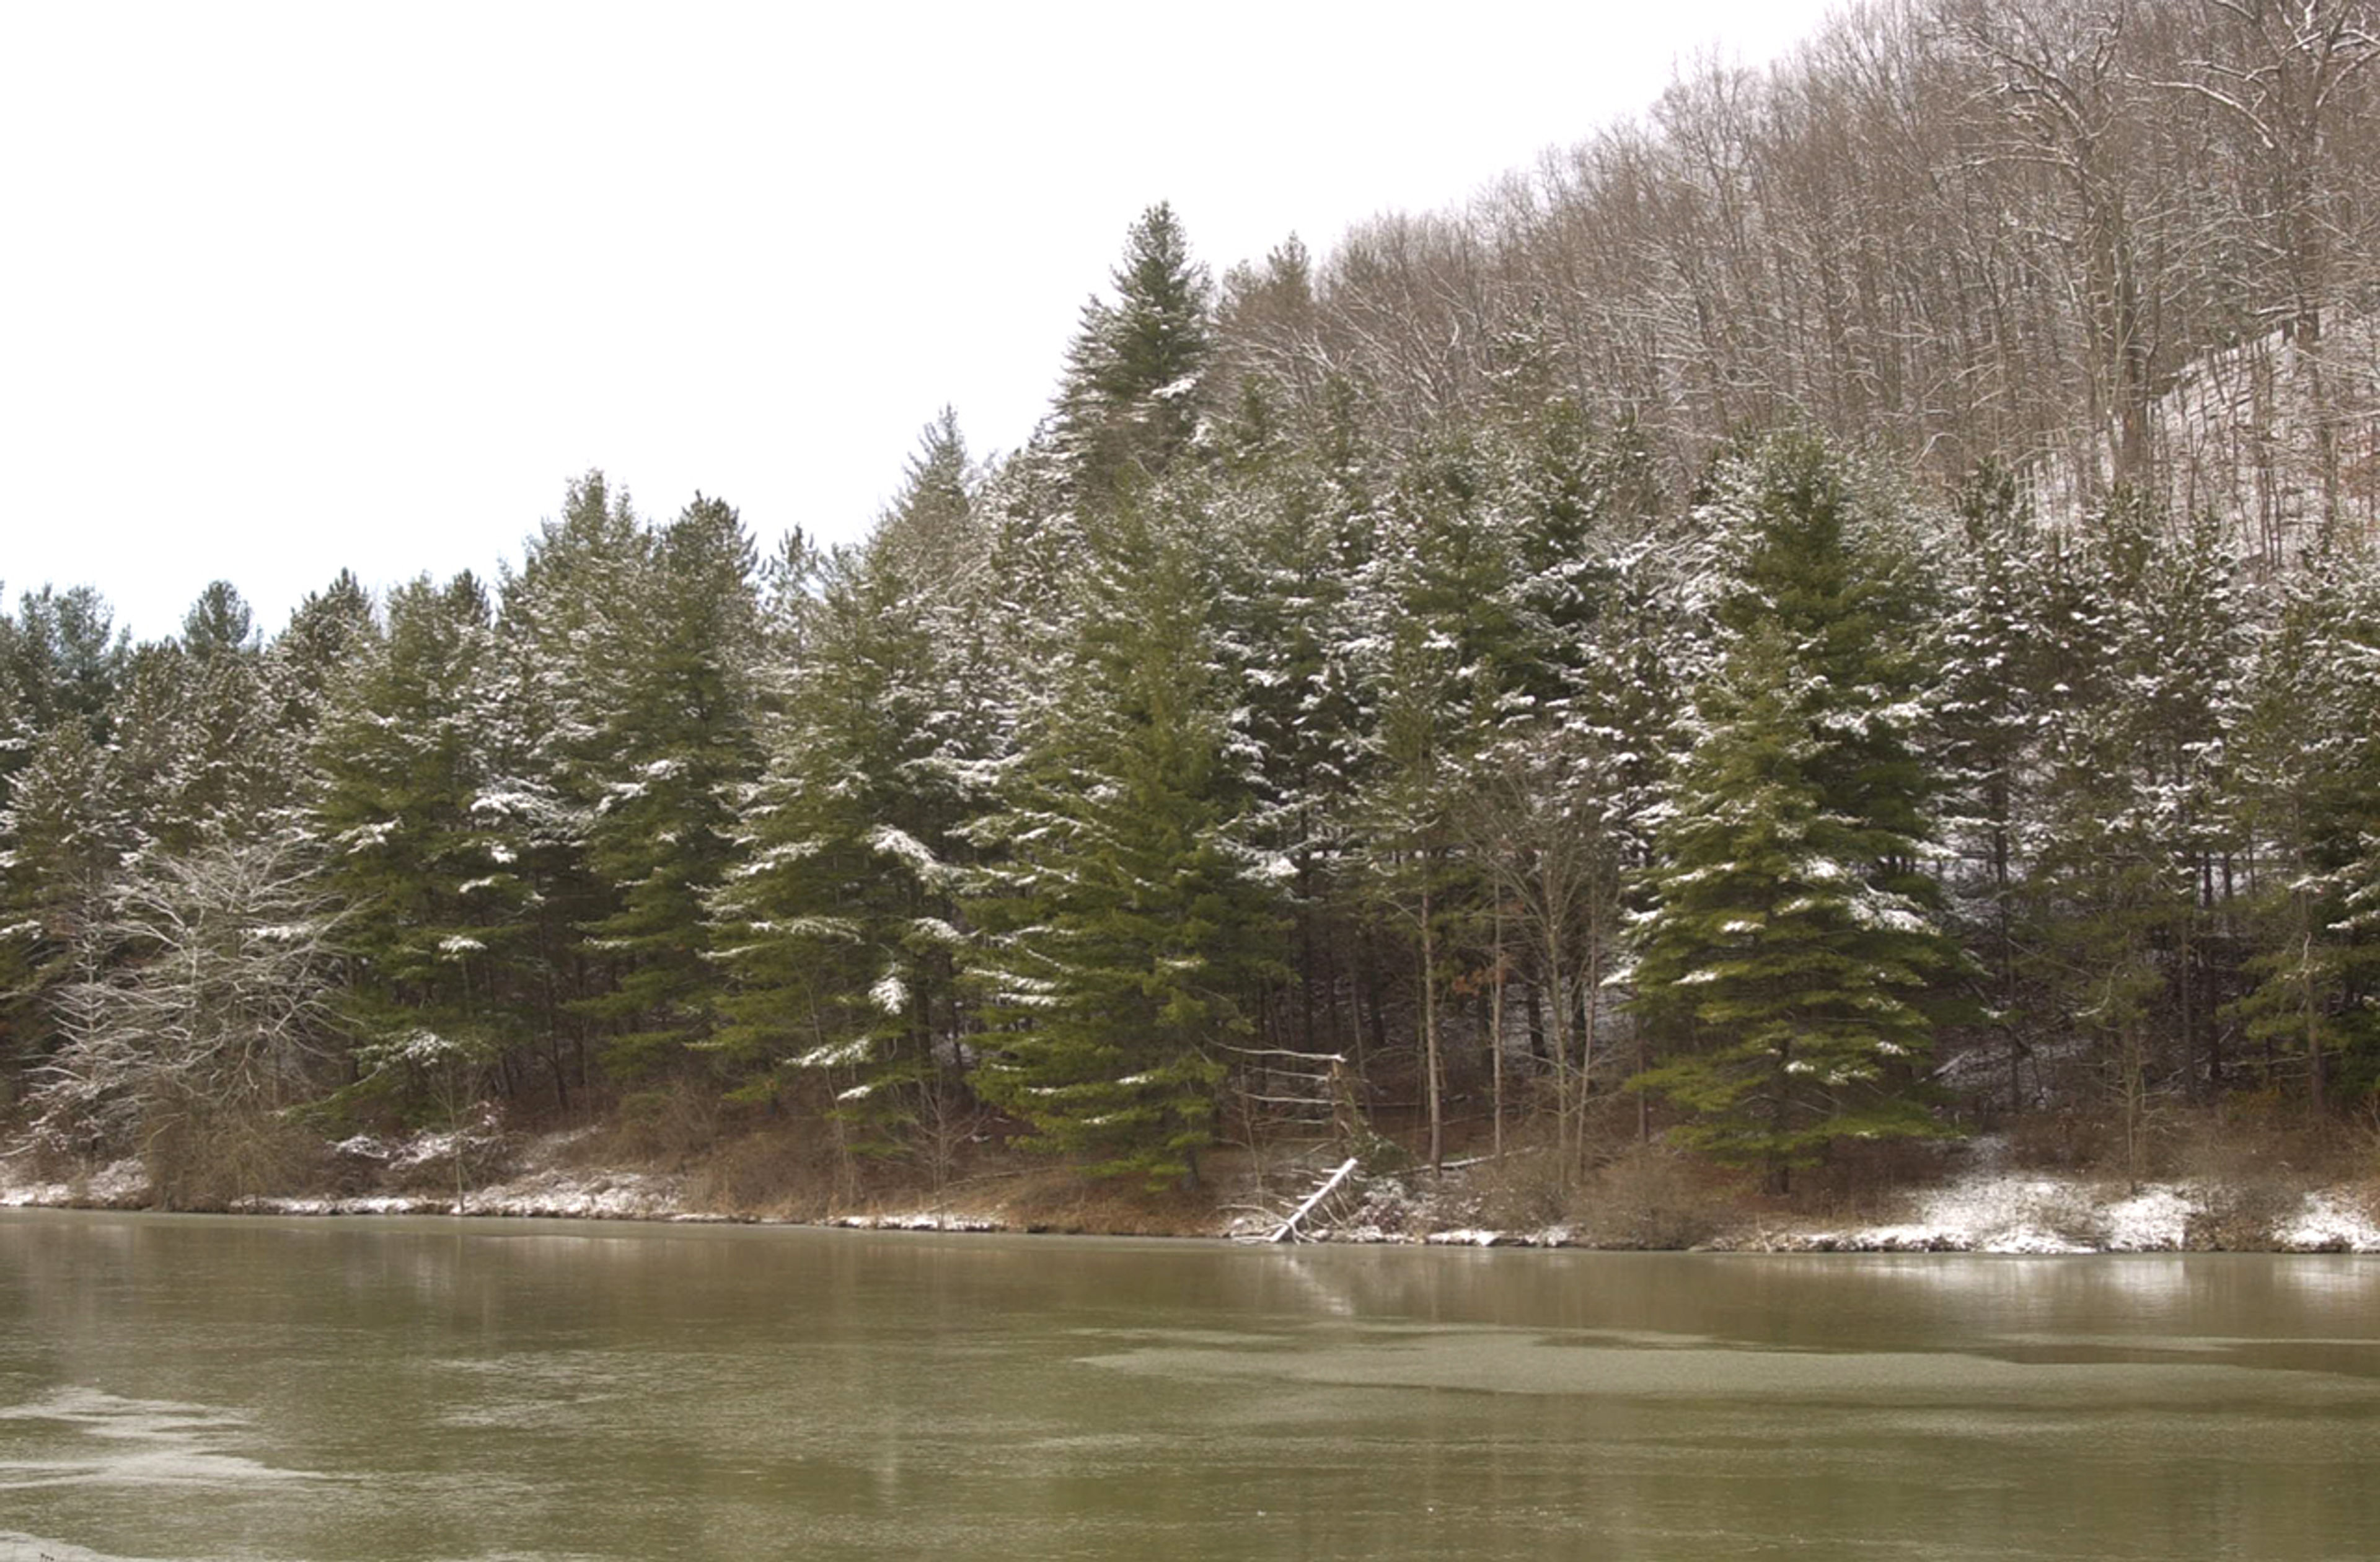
[427, 874]
[2309, 756]
[65, 835]
[1135, 387]
[1289, 532]
[65, 658]
[327, 629]
[2189, 652]
[1981, 742]
[1444, 652]
[1791, 942]
[195, 737]
[1133, 930]
[66, 823]
[839, 924]
[569, 645]
[2131, 675]
[663, 832]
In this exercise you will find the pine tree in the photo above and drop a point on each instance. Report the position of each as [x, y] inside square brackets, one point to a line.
[66, 659]
[2133, 677]
[327, 632]
[219, 623]
[65, 837]
[1987, 709]
[1788, 955]
[840, 923]
[1288, 533]
[568, 647]
[195, 733]
[1135, 389]
[420, 857]
[685, 746]
[1445, 659]
[1133, 932]
[2311, 761]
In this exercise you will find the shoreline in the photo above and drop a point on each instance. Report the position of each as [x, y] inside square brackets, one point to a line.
[1986, 1208]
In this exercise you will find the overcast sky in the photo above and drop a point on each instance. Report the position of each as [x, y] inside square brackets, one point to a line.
[289, 287]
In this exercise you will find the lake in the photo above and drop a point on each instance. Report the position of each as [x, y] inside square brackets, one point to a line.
[197, 1387]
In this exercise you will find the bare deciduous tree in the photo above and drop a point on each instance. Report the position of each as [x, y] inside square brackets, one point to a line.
[221, 1009]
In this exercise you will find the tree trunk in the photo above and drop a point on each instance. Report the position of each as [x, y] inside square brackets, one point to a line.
[1429, 1029]
[1496, 1038]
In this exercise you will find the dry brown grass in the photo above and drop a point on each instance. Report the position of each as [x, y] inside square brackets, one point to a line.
[1653, 1196]
[2252, 1159]
[198, 1160]
[2064, 1140]
[1052, 1197]
[670, 1125]
[772, 1173]
[1865, 1181]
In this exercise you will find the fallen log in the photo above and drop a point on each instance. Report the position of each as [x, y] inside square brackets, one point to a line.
[1287, 1229]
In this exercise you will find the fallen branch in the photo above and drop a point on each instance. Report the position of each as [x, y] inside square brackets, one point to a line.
[1288, 1228]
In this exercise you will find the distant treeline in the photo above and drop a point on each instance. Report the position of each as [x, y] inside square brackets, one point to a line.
[1360, 693]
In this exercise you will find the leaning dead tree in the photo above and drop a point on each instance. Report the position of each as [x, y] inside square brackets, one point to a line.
[1288, 1231]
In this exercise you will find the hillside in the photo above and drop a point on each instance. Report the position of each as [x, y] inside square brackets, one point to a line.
[1837, 617]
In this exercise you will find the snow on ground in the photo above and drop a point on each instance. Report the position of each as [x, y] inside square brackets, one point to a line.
[2328, 1222]
[920, 1220]
[119, 1185]
[2154, 1220]
[1993, 1211]
[1990, 1208]
[550, 1194]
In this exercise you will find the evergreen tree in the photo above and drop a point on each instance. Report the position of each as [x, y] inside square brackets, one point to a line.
[66, 659]
[2310, 757]
[1791, 942]
[841, 926]
[65, 837]
[1289, 535]
[419, 853]
[2133, 672]
[684, 746]
[569, 644]
[1986, 713]
[1135, 389]
[327, 632]
[1134, 932]
[195, 737]
[1445, 654]
[219, 625]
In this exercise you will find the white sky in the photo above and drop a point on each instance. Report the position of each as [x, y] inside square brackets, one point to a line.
[284, 287]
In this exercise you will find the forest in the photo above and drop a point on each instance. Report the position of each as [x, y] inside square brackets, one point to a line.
[1838, 611]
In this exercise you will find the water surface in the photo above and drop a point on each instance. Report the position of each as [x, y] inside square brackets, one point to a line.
[177, 1387]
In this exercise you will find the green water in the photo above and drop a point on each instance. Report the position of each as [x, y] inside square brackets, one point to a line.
[193, 1388]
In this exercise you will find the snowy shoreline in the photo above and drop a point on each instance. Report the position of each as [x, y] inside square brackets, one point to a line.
[1989, 1209]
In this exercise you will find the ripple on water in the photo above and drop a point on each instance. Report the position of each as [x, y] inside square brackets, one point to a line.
[1517, 1362]
[81, 1436]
